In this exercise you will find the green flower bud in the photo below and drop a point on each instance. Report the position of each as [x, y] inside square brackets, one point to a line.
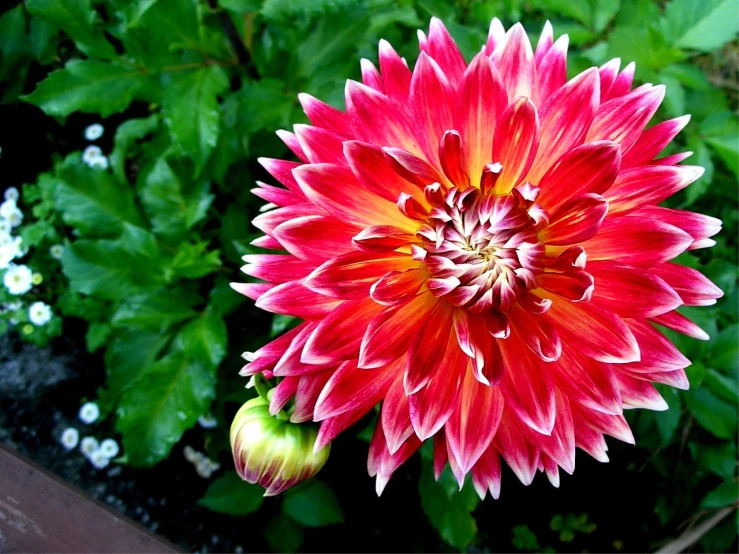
[272, 451]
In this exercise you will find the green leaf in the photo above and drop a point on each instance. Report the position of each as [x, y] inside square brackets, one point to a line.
[127, 355]
[89, 86]
[714, 414]
[97, 334]
[205, 338]
[716, 458]
[525, 539]
[230, 495]
[125, 136]
[91, 201]
[725, 348]
[723, 386]
[191, 110]
[15, 47]
[704, 25]
[156, 311]
[602, 12]
[313, 505]
[703, 159]
[448, 509]
[264, 105]
[241, 6]
[723, 495]
[110, 269]
[76, 18]
[193, 261]
[172, 204]
[668, 420]
[283, 534]
[164, 401]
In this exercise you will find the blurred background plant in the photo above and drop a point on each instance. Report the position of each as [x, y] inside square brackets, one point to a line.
[130, 133]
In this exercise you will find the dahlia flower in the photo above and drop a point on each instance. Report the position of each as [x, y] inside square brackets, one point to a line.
[479, 247]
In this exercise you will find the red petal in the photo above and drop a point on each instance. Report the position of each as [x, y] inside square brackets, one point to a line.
[476, 341]
[678, 322]
[282, 394]
[560, 445]
[374, 171]
[291, 141]
[652, 141]
[397, 286]
[608, 73]
[590, 383]
[316, 237]
[320, 145]
[453, 159]
[413, 168]
[324, 116]
[515, 144]
[486, 474]
[428, 349]
[657, 353]
[631, 291]
[309, 388]
[395, 73]
[296, 300]
[551, 72]
[692, 286]
[698, 226]
[474, 421]
[590, 168]
[574, 285]
[636, 393]
[537, 333]
[276, 268]
[277, 196]
[515, 61]
[442, 48]
[282, 171]
[576, 220]
[518, 452]
[545, 43]
[267, 221]
[496, 35]
[251, 290]
[395, 416]
[622, 84]
[637, 241]
[370, 76]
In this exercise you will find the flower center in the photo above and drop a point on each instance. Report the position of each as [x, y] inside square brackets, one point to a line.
[481, 249]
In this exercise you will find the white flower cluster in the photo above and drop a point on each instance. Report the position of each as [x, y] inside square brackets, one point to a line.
[204, 466]
[97, 453]
[10, 218]
[93, 156]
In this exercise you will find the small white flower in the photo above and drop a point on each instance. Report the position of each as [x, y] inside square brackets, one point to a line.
[5, 226]
[7, 207]
[189, 453]
[99, 460]
[11, 193]
[13, 306]
[57, 251]
[101, 162]
[94, 131]
[89, 413]
[39, 313]
[15, 218]
[207, 422]
[18, 279]
[109, 448]
[90, 153]
[89, 445]
[204, 469]
[70, 438]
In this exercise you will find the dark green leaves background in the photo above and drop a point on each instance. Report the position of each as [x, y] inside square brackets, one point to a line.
[189, 103]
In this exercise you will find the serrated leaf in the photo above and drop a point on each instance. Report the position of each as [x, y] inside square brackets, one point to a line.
[156, 311]
[193, 261]
[191, 110]
[205, 339]
[91, 201]
[113, 269]
[230, 495]
[703, 25]
[125, 136]
[313, 505]
[89, 86]
[76, 18]
[173, 204]
[164, 401]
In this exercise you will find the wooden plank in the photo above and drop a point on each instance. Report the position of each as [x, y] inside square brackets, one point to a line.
[41, 513]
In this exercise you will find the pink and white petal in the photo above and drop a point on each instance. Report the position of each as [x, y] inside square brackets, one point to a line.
[282, 170]
[382, 462]
[519, 453]
[441, 47]
[297, 300]
[290, 364]
[623, 119]
[432, 405]
[338, 336]
[694, 288]
[396, 287]
[565, 119]
[316, 237]
[653, 140]
[527, 385]
[282, 394]
[309, 389]
[389, 335]
[370, 76]
[636, 241]
[496, 35]
[551, 71]
[588, 382]
[365, 105]
[622, 84]
[590, 168]
[267, 357]
[395, 415]
[291, 141]
[474, 421]
[374, 171]
[395, 73]
[514, 58]
[590, 441]
[657, 352]
[336, 191]
[453, 159]
[268, 221]
[278, 196]
[267, 242]
[698, 226]
[276, 268]
[381, 238]
[650, 185]
[351, 275]
[486, 474]
[608, 73]
[515, 144]
[251, 290]
[560, 444]
[481, 99]
[631, 291]
[537, 333]
[599, 334]
[320, 145]
[678, 322]
[350, 388]
[636, 393]
[431, 106]
[613, 425]
[475, 336]
[325, 116]
[428, 349]
[545, 43]
[574, 285]
[412, 168]
[576, 220]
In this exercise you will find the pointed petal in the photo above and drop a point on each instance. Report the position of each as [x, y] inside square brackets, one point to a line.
[442, 48]
[622, 84]
[428, 349]
[636, 393]
[320, 145]
[698, 226]
[515, 144]
[518, 452]
[370, 76]
[496, 35]
[486, 474]
[295, 299]
[551, 72]
[545, 42]
[588, 382]
[678, 322]
[649, 185]
[276, 268]
[514, 58]
[431, 108]
[324, 116]
[316, 237]
[453, 159]
[576, 220]
[374, 171]
[574, 285]
[537, 333]
[282, 170]
[693, 287]
[652, 141]
[309, 388]
[395, 74]
[657, 352]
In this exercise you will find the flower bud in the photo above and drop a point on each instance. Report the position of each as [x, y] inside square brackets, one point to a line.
[271, 451]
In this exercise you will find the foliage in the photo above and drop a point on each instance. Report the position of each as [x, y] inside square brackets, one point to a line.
[152, 241]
